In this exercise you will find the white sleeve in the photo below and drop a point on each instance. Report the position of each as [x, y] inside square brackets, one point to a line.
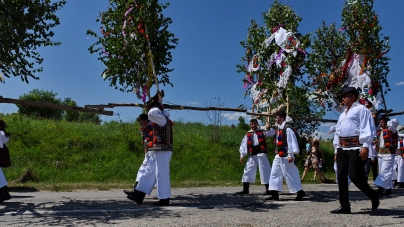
[243, 147]
[269, 133]
[155, 115]
[367, 128]
[3, 139]
[293, 146]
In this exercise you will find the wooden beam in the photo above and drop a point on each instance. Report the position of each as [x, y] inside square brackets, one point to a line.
[294, 118]
[167, 106]
[55, 106]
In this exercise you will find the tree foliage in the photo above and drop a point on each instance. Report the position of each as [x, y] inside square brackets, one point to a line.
[335, 52]
[134, 38]
[37, 95]
[277, 65]
[25, 26]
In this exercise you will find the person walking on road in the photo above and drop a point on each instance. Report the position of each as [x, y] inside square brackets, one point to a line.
[4, 162]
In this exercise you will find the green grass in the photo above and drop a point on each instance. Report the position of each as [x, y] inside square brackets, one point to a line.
[69, 156]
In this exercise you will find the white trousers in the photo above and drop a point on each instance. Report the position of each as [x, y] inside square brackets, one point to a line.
[3, 181]
[157, 170]
[395, 166]
[250, 169]
[142, 168]
[282, 168]
[384, 179]
[336, 175]
[400, 169]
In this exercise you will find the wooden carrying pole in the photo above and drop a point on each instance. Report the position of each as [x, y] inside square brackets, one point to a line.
[56, 106]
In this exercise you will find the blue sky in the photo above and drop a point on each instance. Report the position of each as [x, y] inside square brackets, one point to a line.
[204, 62]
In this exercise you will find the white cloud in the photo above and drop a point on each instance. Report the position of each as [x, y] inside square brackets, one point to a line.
[234, 116]
[194, 103]
[400, 83]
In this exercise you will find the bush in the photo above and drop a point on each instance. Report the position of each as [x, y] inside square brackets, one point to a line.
[40, 112]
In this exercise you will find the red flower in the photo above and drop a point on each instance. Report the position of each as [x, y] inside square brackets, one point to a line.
[262, 147]
[280, 153]
[251, 150]
[279, 143]
[249, 142]
[249, 134]
[387, 144]
[150, 144]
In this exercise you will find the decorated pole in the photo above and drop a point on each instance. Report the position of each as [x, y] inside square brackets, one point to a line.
[135, 45]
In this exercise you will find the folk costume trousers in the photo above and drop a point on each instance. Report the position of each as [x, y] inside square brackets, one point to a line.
[282, 168]
[157, 170]
[395, 166]
[250, 169]
[349, 163]
[336, 174]
[142, 168]
[400, 169]
[3, 181]
[385, 177]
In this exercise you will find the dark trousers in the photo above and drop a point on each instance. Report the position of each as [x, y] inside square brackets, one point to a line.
[371, 165]
[350, 163]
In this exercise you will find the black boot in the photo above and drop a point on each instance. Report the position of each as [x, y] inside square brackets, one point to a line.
[275, 195]
[380, 190]
[394, 183]
[131, 192]
[163, 202]
[246, 190]
[266, 190]
[138, 197]
[4, 195]
[388, 192]
[300, 195]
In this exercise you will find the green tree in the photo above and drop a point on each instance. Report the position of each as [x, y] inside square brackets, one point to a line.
[24, 27]
[41, 112]
[242, 125]
[335, 52]
[275, 66]
[134, 43]
[70, 115]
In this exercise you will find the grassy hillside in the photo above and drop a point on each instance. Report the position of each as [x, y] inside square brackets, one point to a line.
[86, 155]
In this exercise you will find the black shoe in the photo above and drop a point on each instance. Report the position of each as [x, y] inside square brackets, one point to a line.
[267, 193]
[300, 195]
[244, 192]
[342, 210]
[129, 192]
[388, 192]
[394, 183]
[138, 197]
[380, 190]
[5, 196]
[400, 185]
[163, 202]
[375, 203]
[275, 195]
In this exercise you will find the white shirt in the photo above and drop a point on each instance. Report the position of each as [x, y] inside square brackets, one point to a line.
[3, 139]
[357, 121]
[157, 116]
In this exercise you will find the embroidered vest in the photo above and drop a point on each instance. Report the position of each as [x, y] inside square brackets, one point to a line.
[390, 139]
[281, 147]
[402, 145]
[261, 142]
[147, 134]
[162, 137]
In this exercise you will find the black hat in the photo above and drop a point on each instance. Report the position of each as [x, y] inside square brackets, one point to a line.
[346, 90]
[154, 100]
[142, 117]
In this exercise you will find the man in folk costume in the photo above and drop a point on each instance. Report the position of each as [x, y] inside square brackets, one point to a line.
[4, 162]
[386, 145]
[255, 145]
[145, 129]
[160, 145]
[353, 136]
[400, 161]
[283, 164]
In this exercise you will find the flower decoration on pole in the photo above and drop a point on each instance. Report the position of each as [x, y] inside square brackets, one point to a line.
[135, 45]
[353, 55]
[275, 54]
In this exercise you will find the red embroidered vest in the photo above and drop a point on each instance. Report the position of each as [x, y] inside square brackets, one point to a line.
[390, 139]
[261, 141]
[162, 137]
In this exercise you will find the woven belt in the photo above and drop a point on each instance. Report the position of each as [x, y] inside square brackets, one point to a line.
[352, 141]
[384, 150]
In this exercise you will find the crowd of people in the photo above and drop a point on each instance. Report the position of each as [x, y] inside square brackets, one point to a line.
[359, 146]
